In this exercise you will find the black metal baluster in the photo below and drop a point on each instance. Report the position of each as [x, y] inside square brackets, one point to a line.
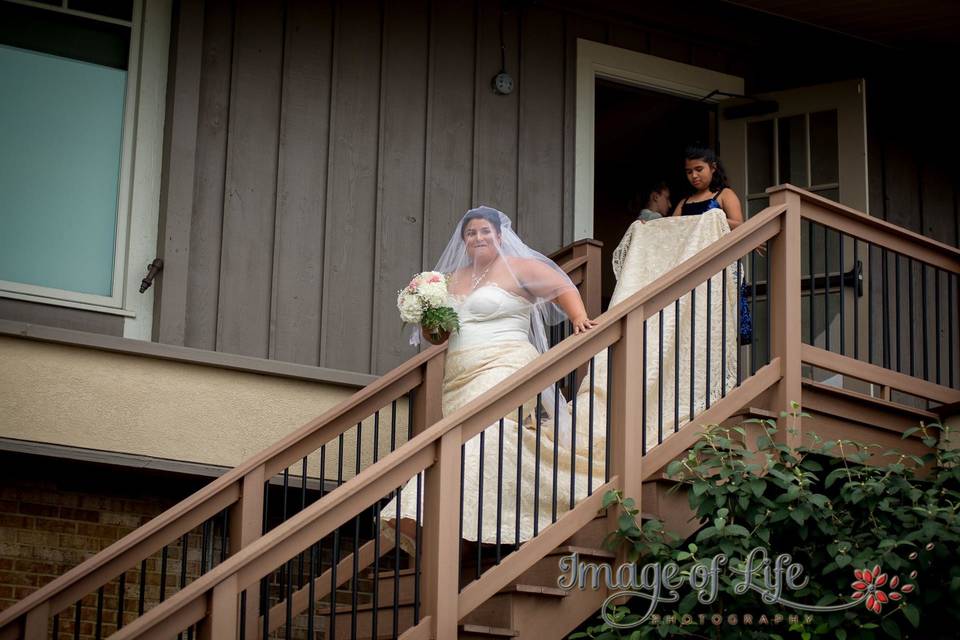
[856, 301]
[122, 593]
[335, 559]
[56, 627]
[354, 591]
[286, 493]
[709, 389]
[936, 289]
[723, 332]
[265, 581]
[766, 264]
[896, 264]
[950, 316]
[925, 334]
[303, 505]
[288, 598]
[396, 550]
[573, 438]
[843, 324]
[517, 506]
[813, 283]
[282, 579]
[870, 304]
[676, 365]
[739, 302]
[480, 504]
[659, 379]
[205, 541]
[163, 573]
[312, 591]
[417, 559]
[409, 415]
[183, 565]
[98, 626]
[590, 430]
[184, 544]
[393, 426]
[463, 450]
[375, 535]
[536, 473]
[499, 485]
[886, 311]
[143, 585]
[606, 459]
[321, 491]
[643, 392]
[76, 619]
[910, 320]
[693, 348]
[340, 443]
[334, 582]
[753, 312]
[556, 450]
[826, 287]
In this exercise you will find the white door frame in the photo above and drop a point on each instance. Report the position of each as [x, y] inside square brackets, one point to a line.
[596, 60]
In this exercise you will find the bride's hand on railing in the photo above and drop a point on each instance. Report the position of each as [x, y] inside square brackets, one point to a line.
[582, 324]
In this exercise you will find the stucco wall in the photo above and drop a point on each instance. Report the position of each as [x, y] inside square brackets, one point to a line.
[84, 397]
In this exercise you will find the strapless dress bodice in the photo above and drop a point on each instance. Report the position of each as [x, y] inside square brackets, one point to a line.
[489, 315]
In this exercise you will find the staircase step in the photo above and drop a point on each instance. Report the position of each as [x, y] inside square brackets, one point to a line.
[478, 631]
[584, 552]
[535, 590]
[364, 618]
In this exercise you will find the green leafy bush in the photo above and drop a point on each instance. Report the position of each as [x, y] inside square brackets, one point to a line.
[831, 512]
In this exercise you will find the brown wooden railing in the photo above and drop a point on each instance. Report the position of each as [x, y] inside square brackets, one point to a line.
[232, 511]
[222, 602]
[212, 601]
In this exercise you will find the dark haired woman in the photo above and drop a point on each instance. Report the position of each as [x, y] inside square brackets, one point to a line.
[710, 188]
[506, 294]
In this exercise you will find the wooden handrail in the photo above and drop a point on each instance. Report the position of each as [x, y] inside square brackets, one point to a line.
[872, 229]
[878, 375]
[226, 490]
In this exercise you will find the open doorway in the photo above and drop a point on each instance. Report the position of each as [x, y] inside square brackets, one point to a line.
[640, 136]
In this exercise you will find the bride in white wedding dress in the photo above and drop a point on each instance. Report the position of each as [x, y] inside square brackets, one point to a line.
[505, 293]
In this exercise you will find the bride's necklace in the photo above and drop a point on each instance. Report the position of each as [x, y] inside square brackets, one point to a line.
[478, 279]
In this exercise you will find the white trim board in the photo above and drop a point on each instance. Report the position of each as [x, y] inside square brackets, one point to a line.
[596, 60]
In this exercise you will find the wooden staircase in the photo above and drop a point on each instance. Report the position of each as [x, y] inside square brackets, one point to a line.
[429, 596]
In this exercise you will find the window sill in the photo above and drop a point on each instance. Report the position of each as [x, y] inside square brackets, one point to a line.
[58, 302]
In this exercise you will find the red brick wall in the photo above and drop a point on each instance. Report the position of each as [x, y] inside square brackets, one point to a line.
[54, 514]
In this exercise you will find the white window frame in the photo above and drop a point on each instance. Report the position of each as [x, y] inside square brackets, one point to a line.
[138, 193]
[596, 60]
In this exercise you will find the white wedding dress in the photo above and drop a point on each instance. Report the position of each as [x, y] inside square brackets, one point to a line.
[491, 345]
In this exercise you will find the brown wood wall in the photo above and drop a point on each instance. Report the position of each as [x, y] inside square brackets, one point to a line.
[320, 153]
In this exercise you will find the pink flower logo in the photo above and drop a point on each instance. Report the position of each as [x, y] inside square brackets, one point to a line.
[868, 587]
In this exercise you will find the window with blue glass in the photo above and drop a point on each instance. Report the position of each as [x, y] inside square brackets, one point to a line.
[63, 88]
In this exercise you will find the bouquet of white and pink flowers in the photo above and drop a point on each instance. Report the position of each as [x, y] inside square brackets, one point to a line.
[424, 302]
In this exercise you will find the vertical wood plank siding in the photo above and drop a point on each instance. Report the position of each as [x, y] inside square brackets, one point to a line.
[323, 151]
